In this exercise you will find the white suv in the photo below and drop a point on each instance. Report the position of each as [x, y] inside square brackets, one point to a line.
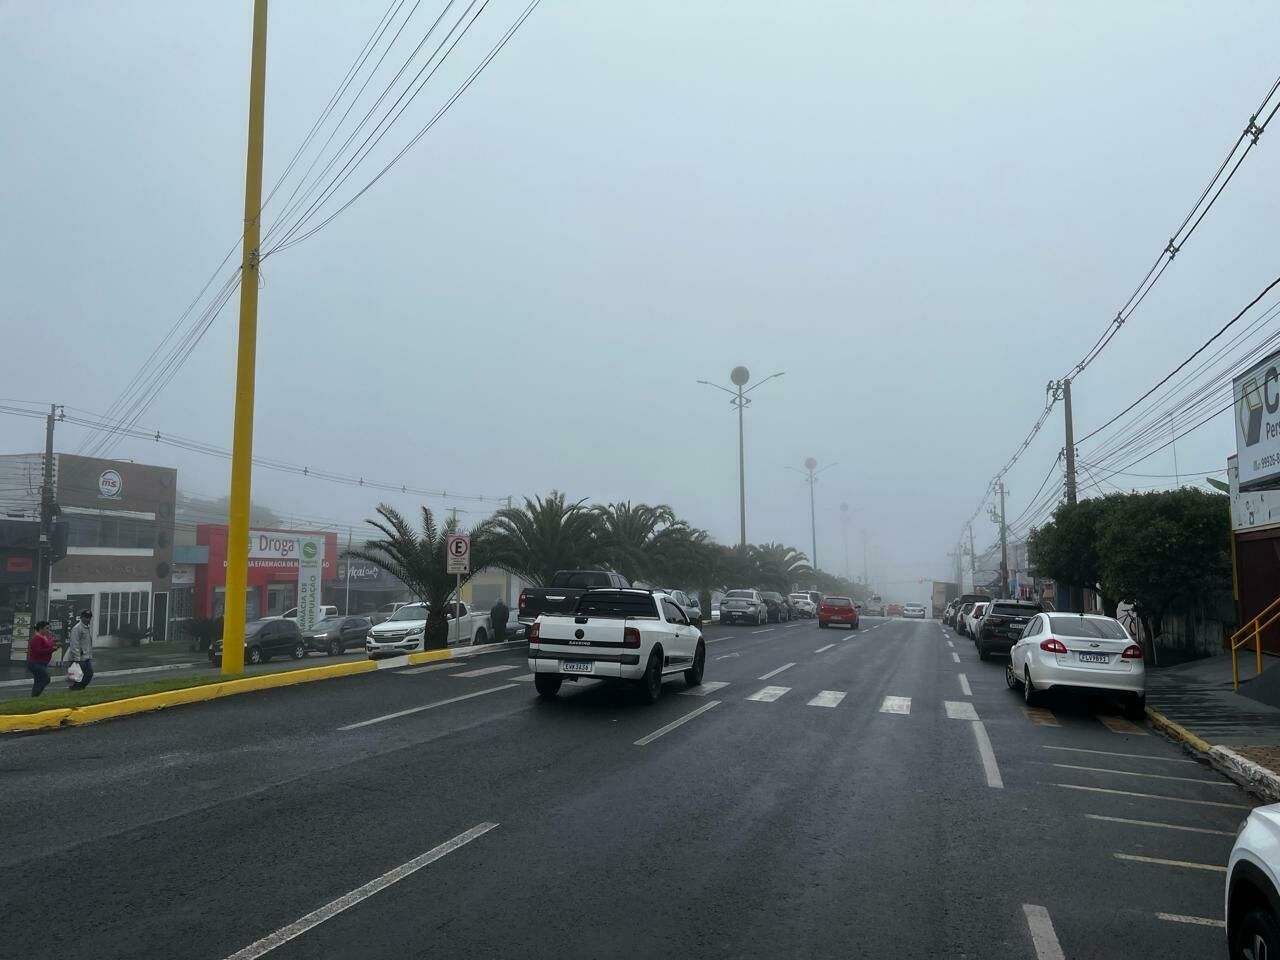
[618, 634]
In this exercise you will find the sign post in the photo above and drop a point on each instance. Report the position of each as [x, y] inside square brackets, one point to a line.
[458, 561]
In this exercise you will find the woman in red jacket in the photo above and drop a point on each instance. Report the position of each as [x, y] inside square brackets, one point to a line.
[39, 651]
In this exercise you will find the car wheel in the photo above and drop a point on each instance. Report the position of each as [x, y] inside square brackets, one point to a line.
[856, 625]
[762, 618]
[1257, 936]
[651, 683]
[299, 650]
[1010, 678]
[693, 676]
[335, 648]
[255, 655]
[1029, 694]
[1135, 708]
[480, 637]
[547, 684]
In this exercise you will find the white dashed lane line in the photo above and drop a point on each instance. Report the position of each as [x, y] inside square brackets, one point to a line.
[955, 656]
[774, 673]
[824, 649]
[765, 630]
[643, 741]
[485, 671]
[428, 706]
[1043, 937]
[964, 686]
[704, 688]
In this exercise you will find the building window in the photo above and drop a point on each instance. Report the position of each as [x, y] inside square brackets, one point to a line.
[117, 609]
[105, 530]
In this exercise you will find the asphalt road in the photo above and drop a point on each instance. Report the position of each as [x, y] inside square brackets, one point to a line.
[870, 794]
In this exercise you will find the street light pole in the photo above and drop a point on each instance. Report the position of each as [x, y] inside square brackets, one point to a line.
[844, 521]
[810, 473]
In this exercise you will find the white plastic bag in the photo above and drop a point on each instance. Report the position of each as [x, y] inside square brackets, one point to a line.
[75, 673]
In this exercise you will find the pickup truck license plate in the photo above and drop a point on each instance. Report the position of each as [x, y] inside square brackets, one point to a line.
[1094, 658]
[576, 666]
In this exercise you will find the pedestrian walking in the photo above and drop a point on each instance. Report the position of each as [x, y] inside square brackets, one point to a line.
[81, 648]
[39, 652]
[499, 614]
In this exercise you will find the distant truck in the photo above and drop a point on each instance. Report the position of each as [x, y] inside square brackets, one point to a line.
[560, 597]
[943, 593]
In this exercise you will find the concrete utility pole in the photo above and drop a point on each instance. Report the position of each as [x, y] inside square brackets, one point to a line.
[809, 465]
[44, 568]
[866, 573]
[973, 555]
[233, 613]
[1071, 443]
[1004, 545]
[844, 522]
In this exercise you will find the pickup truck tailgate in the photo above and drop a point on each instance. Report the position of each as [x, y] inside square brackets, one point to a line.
[587, 645]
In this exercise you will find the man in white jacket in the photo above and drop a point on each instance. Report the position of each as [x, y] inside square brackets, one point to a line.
[81, 648]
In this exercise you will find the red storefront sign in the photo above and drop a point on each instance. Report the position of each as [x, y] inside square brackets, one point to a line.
[18, 565]
[271, 565]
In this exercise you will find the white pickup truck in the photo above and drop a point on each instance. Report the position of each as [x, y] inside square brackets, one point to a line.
[404, 631]
[617, 634]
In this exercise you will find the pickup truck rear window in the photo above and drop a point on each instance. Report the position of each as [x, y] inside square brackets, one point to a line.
[608, 603]
[583, 578]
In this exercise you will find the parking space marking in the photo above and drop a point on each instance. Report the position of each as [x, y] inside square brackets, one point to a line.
[1042, 936]
[1154, 796]
[988, 755]
[680, 721]
[964, 686]
[769, 694]
[960, 710]
[1165, 826]
[702, 689]
[1120, 725]
[774, 673]
[1041, 717]
[349, 900]
[429, 668]
[955, 656]
[827, 698]
[1199, 921]
[1149, 776]
[429, 706]
[1113, 753]
[824, 649]
[896, 705]
[485, 671]
[1162, 862]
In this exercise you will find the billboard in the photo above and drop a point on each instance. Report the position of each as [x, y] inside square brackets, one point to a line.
[1255, 396]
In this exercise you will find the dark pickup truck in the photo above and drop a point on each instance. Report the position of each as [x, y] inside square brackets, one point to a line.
[561, 596]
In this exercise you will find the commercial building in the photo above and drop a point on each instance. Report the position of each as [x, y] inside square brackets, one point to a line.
[272, 582]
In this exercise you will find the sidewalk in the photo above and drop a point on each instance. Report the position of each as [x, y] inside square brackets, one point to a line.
[1239, 735]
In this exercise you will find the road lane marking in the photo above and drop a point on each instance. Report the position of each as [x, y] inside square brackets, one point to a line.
[347, 901]
[960, 710]
[774, 673]
[824, 649]
[1042, 936]
[1149, 776]
[728, 656]
[714, 639]
[526, 678]
[1200, 921]
[1162, 862]
[428, 706]
[768, 694]
[1041, 717]
[950, 644]
[1154, 796]
[429, 668]
[796, 624]
[989, 765]
[896, 705]
[964, 686]
[676, 723]
[1112, 753]
[955, 656]
[827, 698]
[702, 689]
[1166, 826]
[1120, 725]
[485, 671]
[765, 630]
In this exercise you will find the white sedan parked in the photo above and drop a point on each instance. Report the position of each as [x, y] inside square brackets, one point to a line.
[1085, 652]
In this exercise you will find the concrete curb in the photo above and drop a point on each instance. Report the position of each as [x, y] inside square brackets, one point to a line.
[1176, 730]
[1252, 776]
[110, 709]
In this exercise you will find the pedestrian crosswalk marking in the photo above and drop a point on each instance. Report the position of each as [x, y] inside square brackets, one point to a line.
[827, 698]
[960, 710]
[1121, 725]
[429, 668]
[485, 671]
[769, 694]
[1041, 717]
[896, 705]
[702, 689]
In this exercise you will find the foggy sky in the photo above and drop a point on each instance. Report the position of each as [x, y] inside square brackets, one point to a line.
[920, 212]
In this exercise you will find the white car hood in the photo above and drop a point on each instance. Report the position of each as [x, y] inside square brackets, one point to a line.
[397, 626]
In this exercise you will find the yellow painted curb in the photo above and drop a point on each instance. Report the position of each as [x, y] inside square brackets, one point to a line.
[1162, 722]
[428, 656]
[33, 721]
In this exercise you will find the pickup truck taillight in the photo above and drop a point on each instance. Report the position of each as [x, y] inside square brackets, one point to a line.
[631, 637]
[535, 632]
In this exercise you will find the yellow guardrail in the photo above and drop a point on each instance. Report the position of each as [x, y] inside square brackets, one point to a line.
[1252, 631]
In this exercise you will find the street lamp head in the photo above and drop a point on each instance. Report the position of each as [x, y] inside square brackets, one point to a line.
[739, 376]
[810, 463]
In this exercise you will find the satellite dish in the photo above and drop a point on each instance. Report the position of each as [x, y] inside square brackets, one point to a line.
[739, 376]
[810, 463]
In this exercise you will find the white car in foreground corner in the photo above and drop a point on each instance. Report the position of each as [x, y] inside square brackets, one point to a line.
[617, 634]
[1252, 900]
[1079, 651]
[914, 611]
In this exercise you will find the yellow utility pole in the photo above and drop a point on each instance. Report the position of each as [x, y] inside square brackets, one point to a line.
[233, 611]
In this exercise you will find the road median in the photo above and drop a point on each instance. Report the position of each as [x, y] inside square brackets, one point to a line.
[183, 691]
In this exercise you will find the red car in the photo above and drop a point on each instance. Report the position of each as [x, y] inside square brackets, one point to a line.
[837, 610]
[893, 610]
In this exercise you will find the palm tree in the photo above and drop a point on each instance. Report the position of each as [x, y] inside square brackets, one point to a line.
[779, 566]
[418, 561]
[633, 536]
[535, 540]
